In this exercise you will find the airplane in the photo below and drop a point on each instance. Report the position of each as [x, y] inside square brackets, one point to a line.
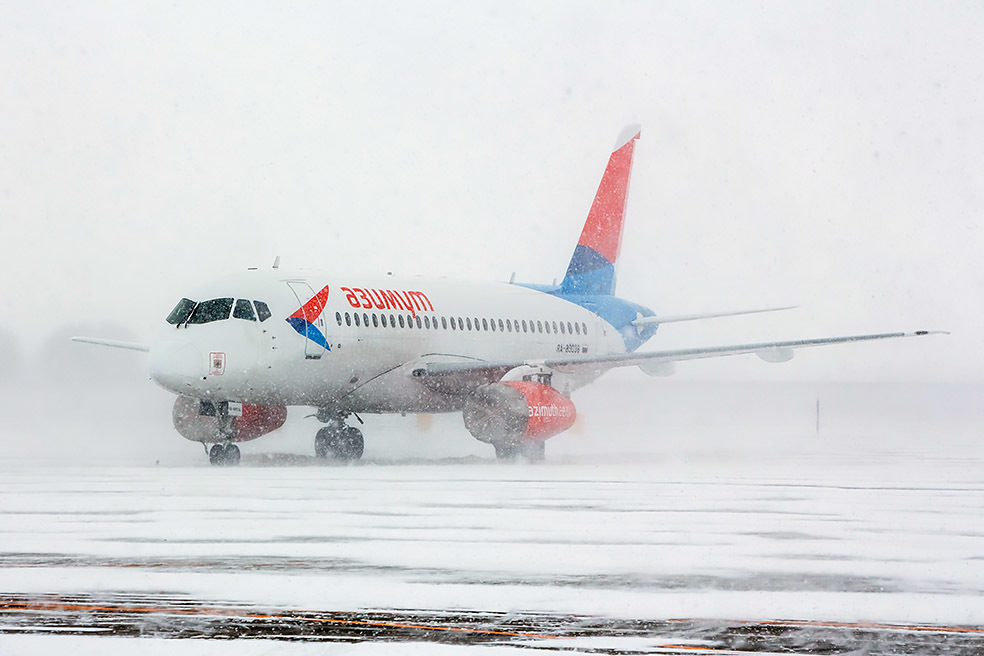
[238, 351]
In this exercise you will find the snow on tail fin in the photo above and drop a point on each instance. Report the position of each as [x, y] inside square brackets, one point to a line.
[592, 267]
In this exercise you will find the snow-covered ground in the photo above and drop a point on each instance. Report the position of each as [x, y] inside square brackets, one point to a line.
[879, 518]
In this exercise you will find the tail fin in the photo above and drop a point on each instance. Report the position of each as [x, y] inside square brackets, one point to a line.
[592, 267]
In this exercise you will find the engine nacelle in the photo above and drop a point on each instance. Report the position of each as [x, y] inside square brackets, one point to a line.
[256, 420]
[517, 411]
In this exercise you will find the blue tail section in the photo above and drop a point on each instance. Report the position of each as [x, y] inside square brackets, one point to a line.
[588, 273]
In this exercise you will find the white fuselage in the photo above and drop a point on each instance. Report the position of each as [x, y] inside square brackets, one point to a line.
[376, 329]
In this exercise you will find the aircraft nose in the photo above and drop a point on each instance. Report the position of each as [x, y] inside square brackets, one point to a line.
[176, 366]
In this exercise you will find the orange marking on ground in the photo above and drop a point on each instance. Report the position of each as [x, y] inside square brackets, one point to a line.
[925, 628]
[219, 612]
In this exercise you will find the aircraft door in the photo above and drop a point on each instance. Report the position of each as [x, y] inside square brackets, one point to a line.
[314, 315]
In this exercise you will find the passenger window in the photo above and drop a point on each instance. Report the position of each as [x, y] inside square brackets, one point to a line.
[401, 321]
[181, 311]
[365, 319]
[382, 318]
[461, 324]
[357, 324]
[468, 323]
[392, 321]
[500, 325]
[216, 309]
[262, 310]
[454, 326]
[348, 319]
[338, 318]
[539, 326]
[562, 332]
[584, 328]
[485, 324]
[569, 328]
[417, 321]
[243, 310]
[427, 322]
[509, 325]
[554, 328]
[524, 325]
[375, 320]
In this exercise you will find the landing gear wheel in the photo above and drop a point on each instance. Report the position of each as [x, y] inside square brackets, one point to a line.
[339, 444]
[505, 451]
[232, 455]
[224, 455]
[511, 451]
[533, 451]
[350, 444]
[325, 442]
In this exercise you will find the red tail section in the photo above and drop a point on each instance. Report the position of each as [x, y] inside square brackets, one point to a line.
[592, 268]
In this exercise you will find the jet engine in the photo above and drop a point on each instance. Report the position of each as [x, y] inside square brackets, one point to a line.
[517, 411]
[255, 421]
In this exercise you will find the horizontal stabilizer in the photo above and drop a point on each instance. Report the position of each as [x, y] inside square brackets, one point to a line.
[673, 318]
[114, 343]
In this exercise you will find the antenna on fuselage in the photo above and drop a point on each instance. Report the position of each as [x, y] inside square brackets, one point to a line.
[276, 262]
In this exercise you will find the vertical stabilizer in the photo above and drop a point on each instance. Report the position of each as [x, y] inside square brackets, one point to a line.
[592, 267]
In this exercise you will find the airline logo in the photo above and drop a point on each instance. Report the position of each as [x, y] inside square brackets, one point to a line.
[309, 314]
[388, 299]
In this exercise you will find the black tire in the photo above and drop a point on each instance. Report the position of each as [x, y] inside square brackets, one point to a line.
[216, 455]
[533, 451]
[325, 443]
[232, 455]
[350, 444]
[505, 451]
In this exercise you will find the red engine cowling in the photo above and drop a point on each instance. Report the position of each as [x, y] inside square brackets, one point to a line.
[503, 413]
[256, 420]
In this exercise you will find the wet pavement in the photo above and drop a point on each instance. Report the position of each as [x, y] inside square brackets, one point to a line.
[173, 617]
[586, 559]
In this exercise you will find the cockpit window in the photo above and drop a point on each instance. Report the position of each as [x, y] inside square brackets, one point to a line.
[181, 311]
[263, 310]
[216, 309]
[243, 310]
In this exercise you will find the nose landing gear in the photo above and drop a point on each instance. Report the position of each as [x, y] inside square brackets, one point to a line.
[336, 441]
[224, 455]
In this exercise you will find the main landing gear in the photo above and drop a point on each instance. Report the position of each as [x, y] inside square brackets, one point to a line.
[224, 455]
[336, 441]
[512, 451]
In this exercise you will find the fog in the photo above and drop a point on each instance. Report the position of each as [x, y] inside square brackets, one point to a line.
[824, 156]
[820, 155]
[83, 404]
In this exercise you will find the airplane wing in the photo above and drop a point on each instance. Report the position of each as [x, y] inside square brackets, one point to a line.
[132, 346]
[471, 373]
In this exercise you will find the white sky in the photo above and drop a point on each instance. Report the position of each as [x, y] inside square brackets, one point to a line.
[822, 154]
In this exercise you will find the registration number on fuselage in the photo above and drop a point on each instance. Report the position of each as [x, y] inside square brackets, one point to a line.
[571, 348]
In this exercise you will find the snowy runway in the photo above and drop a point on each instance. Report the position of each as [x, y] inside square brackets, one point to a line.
[602, 555]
